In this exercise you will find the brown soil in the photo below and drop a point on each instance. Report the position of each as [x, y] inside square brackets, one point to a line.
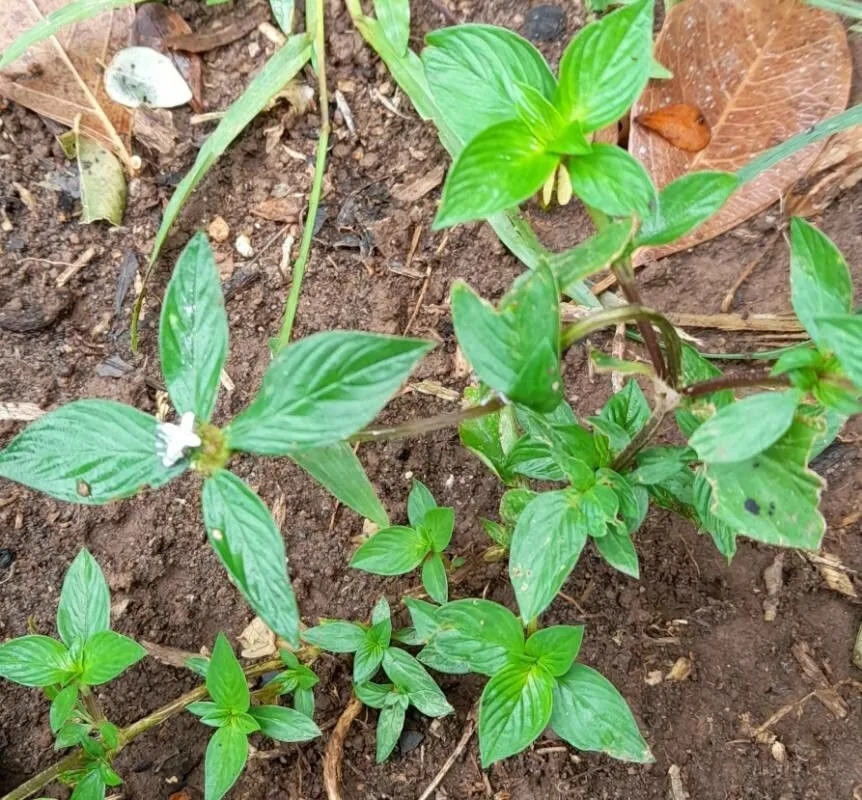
[168, 586]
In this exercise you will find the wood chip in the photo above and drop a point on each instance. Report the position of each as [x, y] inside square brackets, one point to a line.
[435, 389]
[412, 192]
[676, 790]
[278, 209]
[257, 640]
[680, 670]
[20, 412]
[833, 572]
[773, 578]
[73, 269]
[218, 230]
[824, 692]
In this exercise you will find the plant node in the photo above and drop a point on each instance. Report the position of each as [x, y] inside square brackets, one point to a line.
[213, 453]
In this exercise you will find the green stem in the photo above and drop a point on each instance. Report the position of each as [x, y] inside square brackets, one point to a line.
[419, 427]
[319, 49]
[78, 758]
[613, 316]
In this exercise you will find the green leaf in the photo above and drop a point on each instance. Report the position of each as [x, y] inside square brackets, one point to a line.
[226, 682]
[283, 11]
[423, 617]
[773, 496]
[394, 18]
[322, 389]
[210, 713]
[374, 695]
[381, 612]
[476, 74]
[555, 648]
[437, 526]
[479, 633]
[546, 544]
[685, 204]
[55, 21]
[490, 436]
[285, 63]
[602, 362]
[390, 723]
[434, 578]
[694, 412]
[110, 734]
[226, 755]
[747, 427]
[617, 548]
[606, 67]
[284, 724]
[303, 701]
[419, 502]
[535, 458]
[656, 464]
[88, 452]
[367, 660]
[91, 787]
[540, 116]
[85, 603]
[499, 168]
[840, 334]
[392, 551]
[513, 502]
[514, 709]
[340, 471]
[35, 661]
[820, 284]
[108, 654]
[336, 636]
[723, 535]
[193, 332]
[249, 545]
[611, 180]
[590, 256]
[62, 707]
[102, 180]
[514, 350]
[413, 680]
[590, 714]
[628, 408]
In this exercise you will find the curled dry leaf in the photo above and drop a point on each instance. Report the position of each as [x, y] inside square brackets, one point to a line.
[684, 126]
[156, 26]
[257, 640]
[61, 77]
[761, 71]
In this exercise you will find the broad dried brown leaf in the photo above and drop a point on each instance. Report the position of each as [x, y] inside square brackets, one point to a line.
[684, 126]
[50, 77]
[761, 71]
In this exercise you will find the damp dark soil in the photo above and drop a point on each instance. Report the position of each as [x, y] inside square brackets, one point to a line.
[377, 265]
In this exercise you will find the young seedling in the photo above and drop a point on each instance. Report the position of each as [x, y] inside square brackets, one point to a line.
[87, 654]
[534, 681]
[409, 682]
[315, 394]
[400, 549]
[230, 711]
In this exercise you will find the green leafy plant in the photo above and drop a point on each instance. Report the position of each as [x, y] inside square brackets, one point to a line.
[87, 654]
[231, 713]
[400, 549]
[371, 645]
[315, 393]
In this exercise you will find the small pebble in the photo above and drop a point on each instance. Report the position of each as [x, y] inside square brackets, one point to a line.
[243, 246]
[7, 557]
[545, 23]
[218, 230]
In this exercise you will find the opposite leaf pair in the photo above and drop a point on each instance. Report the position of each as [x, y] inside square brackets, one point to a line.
[400, 549]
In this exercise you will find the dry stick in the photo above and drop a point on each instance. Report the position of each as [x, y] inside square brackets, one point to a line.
[734, 382]
[459, 748]
[760, 323]
[335, 749]
[76, 760]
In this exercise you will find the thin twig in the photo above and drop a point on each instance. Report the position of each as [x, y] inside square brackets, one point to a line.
[735, 382]
[449, 762]
[727, 303]
[335, 749]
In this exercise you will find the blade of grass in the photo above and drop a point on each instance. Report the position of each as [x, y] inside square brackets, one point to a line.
[53, 22]
[847, 8]
[318, 50]
[281, 67]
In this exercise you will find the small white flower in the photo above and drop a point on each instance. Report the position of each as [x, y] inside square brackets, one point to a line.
[172, 441]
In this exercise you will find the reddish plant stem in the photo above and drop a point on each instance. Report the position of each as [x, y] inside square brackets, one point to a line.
[763, 379]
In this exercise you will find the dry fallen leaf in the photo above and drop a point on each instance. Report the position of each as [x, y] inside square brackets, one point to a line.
[61, 77]
[833, 572]
[761, 71]
[154, 26]
[257, 640]
[680, 670]
[684, 126]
